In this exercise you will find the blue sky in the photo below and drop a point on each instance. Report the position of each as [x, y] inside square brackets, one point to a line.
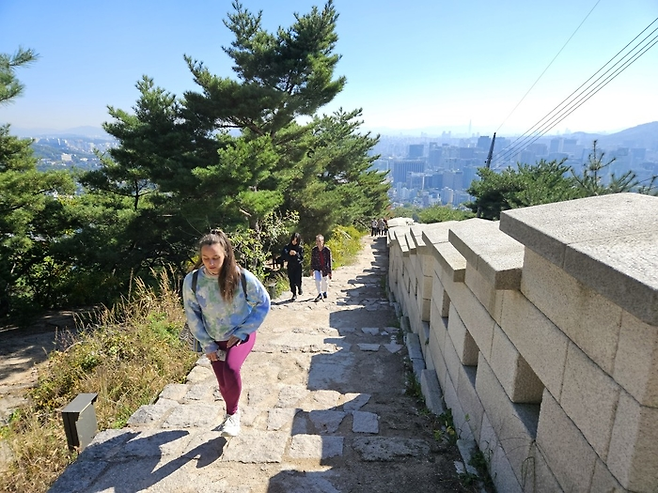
[418, 64]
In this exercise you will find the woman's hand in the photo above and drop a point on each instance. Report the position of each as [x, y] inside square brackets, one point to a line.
[212, 356]
[233, 341]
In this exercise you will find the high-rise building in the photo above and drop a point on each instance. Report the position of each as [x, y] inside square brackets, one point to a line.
[402, 167]
[470, 173]
[555, 145]
[434, 156]
[449, 179]
[538, 149]
[570, 146]
[416, 180]
[416, 151]
[458, 183]
[484, 142]
[435, 180]
[466, 152]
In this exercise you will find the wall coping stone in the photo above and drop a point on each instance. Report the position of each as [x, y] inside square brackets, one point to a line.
[437, 232]
[399, 221]
[435, 239]
[495, 255]
[411, 240]
[399, 235]
[451, 261]
[417, 236]
[601, 241]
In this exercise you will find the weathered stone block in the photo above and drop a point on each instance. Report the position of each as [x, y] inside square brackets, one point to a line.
[587, 392]
[437, 340]
[438, 323]
[445, 304]
[476, 318]
[425, 341]
[505, 479]
[429, 385]
[537, 476]
[603, 480]
[436, 232]
[470, 400]
[452, 360]
[438, 362]
[569, 456]
[513, 372]
[540, 342]
[426, 268]
[633, 455]
[500, 470]
[437, 288]
[491, 299]
[452, 263]
[460, 417]
[590, 320]
[636, 364]
[608, 242]
[513, 424]
[425, 309]
[623, 269]
[465, 346]
[497, 256]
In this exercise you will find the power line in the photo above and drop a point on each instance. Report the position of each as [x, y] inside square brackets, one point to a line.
[539, 126]
[571, 103]
[574, 105]
[548, 66]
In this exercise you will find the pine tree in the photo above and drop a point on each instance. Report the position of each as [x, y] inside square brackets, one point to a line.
[233, 154]
[29, 202]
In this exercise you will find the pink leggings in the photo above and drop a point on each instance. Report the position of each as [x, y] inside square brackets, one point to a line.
[228, 372]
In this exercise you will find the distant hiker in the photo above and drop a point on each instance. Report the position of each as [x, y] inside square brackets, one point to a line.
[374, 227]
[321, 267]
[293, 253]
[224, 306]
[381, 225]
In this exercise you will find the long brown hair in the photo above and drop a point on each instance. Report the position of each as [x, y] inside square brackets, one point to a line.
[229, 274]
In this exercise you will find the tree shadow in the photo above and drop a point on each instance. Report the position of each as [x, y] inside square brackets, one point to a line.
[126, 461]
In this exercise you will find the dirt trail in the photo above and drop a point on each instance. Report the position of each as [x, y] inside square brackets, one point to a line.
[22, 350]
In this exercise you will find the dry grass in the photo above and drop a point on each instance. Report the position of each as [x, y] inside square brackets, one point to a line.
[126, 356]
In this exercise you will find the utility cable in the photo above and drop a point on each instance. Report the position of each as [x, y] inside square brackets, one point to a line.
[550, 117]
[547, 67]
[565, 101]
[573, 106]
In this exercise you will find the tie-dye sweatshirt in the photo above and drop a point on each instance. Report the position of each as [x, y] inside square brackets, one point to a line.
[212, 319]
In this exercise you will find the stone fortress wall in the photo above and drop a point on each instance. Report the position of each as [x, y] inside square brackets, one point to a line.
[540, 333]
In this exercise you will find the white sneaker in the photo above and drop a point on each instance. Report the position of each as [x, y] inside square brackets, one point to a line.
[231, 425]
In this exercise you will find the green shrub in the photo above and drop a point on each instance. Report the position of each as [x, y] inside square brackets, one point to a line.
[345, 244]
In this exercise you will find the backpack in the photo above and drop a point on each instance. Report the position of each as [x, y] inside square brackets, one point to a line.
[186, 334]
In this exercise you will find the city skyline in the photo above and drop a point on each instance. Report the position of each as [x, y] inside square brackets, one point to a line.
[471, 68]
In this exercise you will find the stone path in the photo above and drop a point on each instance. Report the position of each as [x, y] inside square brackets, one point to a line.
[323, 408]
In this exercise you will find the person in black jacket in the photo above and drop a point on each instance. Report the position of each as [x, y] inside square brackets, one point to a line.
[293, 253]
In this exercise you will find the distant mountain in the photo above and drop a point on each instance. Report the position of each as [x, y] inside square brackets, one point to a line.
[643, 136]
[87, 132]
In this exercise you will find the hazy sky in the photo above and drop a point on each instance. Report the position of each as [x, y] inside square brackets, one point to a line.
[409, 64]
